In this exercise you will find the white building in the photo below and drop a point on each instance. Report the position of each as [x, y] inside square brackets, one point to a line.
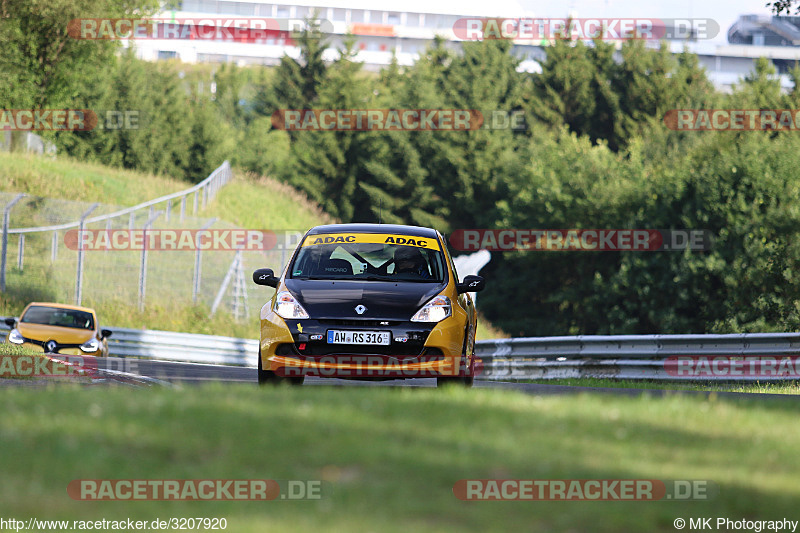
[380, 34]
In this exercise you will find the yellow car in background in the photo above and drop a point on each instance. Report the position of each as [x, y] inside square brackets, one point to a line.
[59, 329]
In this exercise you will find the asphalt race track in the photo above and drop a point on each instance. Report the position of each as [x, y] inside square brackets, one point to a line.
[189, 373]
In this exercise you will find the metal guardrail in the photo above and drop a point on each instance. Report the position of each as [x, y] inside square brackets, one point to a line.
[174, 346]
[641, 346]
[188, 347]
[598, 356]
[629, 357]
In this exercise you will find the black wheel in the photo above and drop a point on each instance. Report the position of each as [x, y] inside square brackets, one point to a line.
[461, 381]
[265, 377]
[268, 377]
[465, 380]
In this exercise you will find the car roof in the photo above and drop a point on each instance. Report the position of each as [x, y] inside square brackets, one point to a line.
[62, 306]
[396, 229]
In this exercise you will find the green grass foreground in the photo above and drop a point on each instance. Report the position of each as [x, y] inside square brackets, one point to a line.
[389, 457]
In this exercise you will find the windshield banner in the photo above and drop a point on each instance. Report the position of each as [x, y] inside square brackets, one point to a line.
[372, 238]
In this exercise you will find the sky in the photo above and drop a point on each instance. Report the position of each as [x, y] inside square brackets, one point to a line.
[724, 12]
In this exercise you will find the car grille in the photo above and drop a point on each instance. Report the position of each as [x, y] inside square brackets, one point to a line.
[366, 322]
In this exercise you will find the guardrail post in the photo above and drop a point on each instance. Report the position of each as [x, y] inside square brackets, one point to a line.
[196, 278]
[79, 275]
[21, 252]
[143, 266]
[54, 247]
[194, 209]
[183, 207]
[169, 208]
[4, 251]
[132, 220]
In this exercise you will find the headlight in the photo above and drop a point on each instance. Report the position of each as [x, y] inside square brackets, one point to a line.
[15, 337]
[287, 307]
[434, 311]
[92, 345]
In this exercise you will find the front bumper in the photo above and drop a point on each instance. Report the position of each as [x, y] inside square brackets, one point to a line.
[60, 349]
[297, 348]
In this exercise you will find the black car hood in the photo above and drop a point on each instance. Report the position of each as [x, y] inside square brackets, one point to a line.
[325, 299]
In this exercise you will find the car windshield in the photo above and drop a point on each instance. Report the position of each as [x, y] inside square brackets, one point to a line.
[366, 261]
[54, 316]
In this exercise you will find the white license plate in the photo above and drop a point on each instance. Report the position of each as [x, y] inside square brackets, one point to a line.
[337, 336]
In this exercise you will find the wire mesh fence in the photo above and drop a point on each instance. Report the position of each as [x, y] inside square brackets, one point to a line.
[115, 260]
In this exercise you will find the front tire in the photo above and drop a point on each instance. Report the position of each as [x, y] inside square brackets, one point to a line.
[461, 381]
[466, 380]
[265, 377]
[268, 377]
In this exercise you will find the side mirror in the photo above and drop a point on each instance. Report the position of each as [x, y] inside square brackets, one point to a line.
[105, 333]
[471, 284]
[11, 321]
[265, 276]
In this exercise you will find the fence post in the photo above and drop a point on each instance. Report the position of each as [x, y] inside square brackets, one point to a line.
[79, 275]
[183, 207]
[54, 247]
[169, 208]
[21, 252]
[225, 282]
[196, 278]
[143, 266]
[3, 252]
[108, 232]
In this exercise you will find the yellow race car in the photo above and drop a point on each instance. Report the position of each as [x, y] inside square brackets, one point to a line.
[59, 329]
[368, 301]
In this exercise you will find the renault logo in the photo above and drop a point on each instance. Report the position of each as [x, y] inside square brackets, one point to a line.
[50, 346]
[360, 309]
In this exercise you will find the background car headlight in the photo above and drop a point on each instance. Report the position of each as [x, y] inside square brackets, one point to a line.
[92, 345]
[15, 337]
[287, 307]
[434, 311]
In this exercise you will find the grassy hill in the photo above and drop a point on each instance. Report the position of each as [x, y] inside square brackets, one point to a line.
[248, 202]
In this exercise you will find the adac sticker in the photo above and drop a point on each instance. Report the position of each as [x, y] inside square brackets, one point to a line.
[372, 238]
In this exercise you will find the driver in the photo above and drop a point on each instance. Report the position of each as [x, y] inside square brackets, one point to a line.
[409, 260]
